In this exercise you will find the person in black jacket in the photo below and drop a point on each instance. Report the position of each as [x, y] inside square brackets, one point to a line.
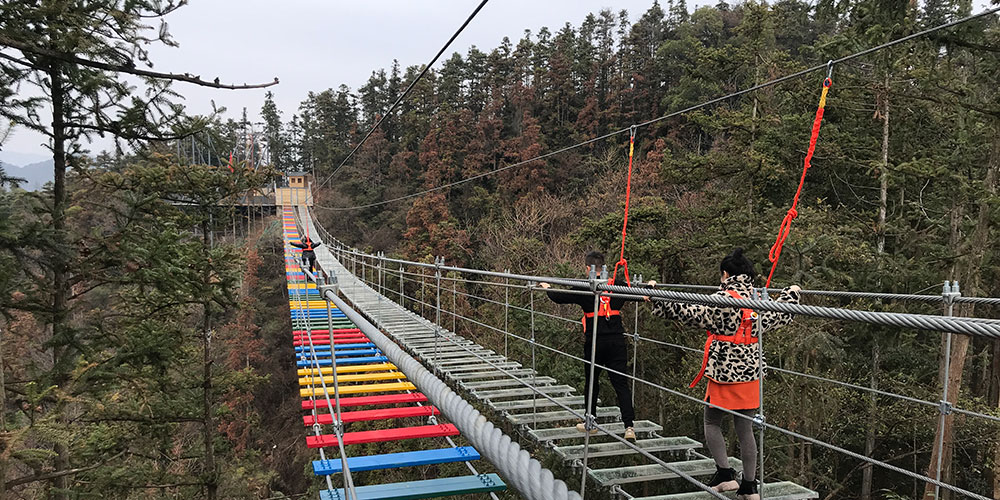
[308, 255]
[612, 351]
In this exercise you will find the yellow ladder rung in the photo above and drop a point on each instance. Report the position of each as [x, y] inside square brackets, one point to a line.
[364, 377]
[301, 285]
[373, 367]
[359, 389]
[312, 304]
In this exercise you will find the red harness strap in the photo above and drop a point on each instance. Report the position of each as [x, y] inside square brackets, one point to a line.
[743, 335]
[604, 309]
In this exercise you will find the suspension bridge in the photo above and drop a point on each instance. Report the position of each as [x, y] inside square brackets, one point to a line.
[364, 358]
[358, 345]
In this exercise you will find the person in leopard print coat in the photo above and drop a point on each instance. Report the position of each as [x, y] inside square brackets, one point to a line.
[732, 367]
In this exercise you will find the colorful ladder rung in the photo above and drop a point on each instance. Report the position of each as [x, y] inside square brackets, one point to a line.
[312, 372]
[346, 361]
[358, 389]
[427, 488]
[341, 354]
[369, 415]
[339, 347]
[361, 377]
[383, 435]
[326, 342]
[327, 332]
[397, 460]
[381, 399]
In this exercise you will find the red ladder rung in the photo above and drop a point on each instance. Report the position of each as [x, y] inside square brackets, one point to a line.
[369, 415]
[382, 399]
[383, 435]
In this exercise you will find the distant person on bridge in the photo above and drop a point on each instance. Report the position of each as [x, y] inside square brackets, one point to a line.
[732, 366]
[308, 255]
[612, 351]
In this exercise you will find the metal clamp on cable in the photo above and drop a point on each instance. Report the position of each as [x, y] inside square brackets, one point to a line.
[758, 421]
[950, 292]
[330, 286]
[944, 407]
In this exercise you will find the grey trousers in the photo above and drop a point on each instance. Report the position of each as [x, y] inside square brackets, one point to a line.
[744, 432]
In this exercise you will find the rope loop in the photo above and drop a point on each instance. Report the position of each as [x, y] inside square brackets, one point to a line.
[628, 198]
[786, 223]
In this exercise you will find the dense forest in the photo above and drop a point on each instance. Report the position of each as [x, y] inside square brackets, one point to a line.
[141, 355]
[901, 197]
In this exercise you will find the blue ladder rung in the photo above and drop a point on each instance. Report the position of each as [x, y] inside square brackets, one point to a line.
[429, 488]
[345, 361]
[341, 355]
[396, 460]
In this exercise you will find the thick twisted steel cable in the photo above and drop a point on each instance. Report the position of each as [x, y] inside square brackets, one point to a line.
[572, 282]
[968, 326]
[776, 81]
[405, 92]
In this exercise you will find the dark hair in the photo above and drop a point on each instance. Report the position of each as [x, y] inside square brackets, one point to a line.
[736, 263]
[595, 259]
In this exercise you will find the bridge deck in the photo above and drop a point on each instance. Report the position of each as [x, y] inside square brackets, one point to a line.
[523, 404]
[334, 358]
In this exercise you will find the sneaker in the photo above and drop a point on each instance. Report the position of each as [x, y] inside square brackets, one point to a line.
[582, 427]
[747, 491]
[630, 434]
[724, 480]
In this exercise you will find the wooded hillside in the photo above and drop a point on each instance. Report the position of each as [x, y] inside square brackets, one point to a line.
[901, 195]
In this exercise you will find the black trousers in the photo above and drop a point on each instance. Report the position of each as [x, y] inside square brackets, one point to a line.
[612, 352]
[309, 259]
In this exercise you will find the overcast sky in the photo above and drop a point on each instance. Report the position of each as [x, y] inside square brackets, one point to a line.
[312, 45]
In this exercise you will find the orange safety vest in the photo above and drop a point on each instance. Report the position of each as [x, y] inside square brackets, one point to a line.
[604, 309]
[743, 335]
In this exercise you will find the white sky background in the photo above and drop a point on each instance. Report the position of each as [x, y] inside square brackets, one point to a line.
[312, 45]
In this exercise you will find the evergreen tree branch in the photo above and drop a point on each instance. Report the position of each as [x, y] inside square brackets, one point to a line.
[122, 68]
[52, 475]
[115, 129]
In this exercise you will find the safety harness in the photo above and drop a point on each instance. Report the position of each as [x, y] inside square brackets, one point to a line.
[743, 335]
[603, 309]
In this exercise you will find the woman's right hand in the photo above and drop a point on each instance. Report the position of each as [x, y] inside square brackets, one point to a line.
[651, 282]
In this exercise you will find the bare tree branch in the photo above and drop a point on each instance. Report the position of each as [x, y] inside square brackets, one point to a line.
[52, 475]
[129, 69]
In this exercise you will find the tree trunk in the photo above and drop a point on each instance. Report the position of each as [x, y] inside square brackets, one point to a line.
[3, 425]
[866, 472]
[994, 382]
[883, 191]
[59, 267]
[969, 269]
[212, 476]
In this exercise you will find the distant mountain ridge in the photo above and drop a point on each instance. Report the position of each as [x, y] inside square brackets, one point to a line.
[34, 174]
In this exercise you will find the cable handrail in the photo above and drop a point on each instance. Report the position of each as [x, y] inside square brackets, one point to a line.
[584, 282]
[674, 392]
[970, 326]
[698, 351]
